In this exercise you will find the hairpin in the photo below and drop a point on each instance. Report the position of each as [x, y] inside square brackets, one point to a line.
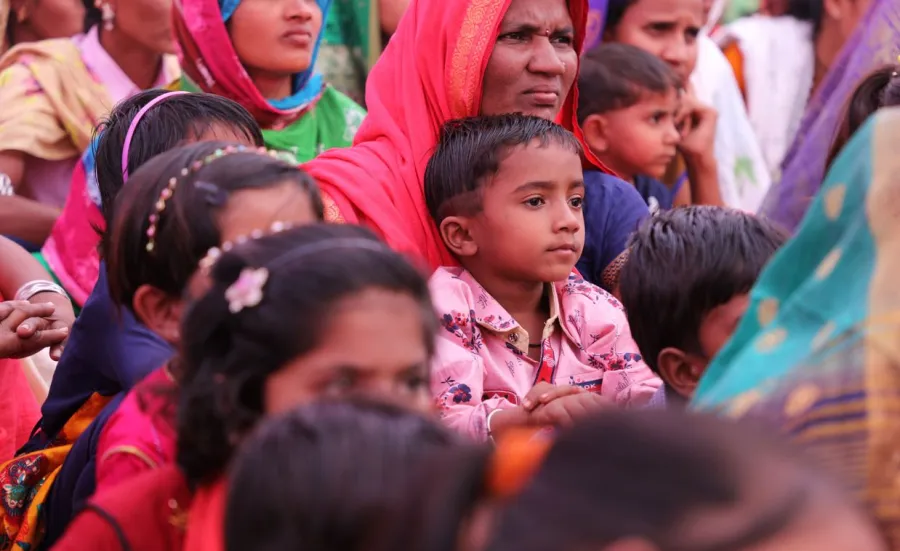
[126, 146]
[247, 290]
[169, 189]
[214, 253]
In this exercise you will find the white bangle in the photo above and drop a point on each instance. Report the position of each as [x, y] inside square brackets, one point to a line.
[32, 288]
[487, 423]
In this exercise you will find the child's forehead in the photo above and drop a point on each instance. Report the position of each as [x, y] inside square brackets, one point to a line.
[550, 160]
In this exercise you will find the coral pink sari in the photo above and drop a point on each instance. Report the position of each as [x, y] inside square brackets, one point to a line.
[430, 73]
[19, 410]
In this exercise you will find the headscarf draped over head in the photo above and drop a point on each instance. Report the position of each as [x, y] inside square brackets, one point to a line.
[210, 63]
[430, 73]
[817, 354]
[874, 44]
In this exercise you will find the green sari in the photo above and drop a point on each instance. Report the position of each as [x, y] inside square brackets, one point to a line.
[818, 352]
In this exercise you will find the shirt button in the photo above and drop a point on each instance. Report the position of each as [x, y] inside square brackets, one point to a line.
[514, 337]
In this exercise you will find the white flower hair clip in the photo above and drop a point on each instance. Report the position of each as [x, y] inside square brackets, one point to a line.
[247, 290]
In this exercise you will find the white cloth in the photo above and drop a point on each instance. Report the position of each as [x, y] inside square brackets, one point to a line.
[779, 65]
[743, 176]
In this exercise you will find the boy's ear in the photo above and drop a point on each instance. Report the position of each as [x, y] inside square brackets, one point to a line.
[680, 371]
[594, 128]
[160, 312]
[455, 231]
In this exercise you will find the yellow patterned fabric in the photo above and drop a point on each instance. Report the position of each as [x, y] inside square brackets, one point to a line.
[25, 481]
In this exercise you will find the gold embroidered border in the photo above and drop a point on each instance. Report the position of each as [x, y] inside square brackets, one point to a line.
[476, 34]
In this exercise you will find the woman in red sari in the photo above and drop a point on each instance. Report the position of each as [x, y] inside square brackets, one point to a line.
[448, 59]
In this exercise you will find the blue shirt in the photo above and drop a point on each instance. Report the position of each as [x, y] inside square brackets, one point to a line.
[656, 194]
[613, 210]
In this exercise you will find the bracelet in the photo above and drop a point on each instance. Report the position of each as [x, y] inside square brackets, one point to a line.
[487, 423]
[32, 288]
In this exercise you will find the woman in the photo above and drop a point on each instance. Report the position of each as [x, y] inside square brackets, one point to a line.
[448, 60]
[261, 54]
[871, 45]
[54, 92]
[733, 168]
[817, 353]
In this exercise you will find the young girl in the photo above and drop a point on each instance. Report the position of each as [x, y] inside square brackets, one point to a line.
[267, 500]
[54, 92]
[879, 89]
[165, 221]
[280, 324]
[262, 55]
[524, 336]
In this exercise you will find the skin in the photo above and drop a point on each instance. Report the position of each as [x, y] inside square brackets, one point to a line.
[640, 139]
[534, 63]
[390, 12]
[360, 355]
[274, 39]
[529, 232]
[682, 370]
[43, 19]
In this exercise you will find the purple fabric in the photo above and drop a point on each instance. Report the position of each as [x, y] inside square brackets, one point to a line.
[596, 18]
[875, 43]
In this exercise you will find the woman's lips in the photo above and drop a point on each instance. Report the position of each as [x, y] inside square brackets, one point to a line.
[300, 38]
[546, 98]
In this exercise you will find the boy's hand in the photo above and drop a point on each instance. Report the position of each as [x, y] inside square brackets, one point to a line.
[25, 329]
[697, 124]
[544, 393]
[565, 410]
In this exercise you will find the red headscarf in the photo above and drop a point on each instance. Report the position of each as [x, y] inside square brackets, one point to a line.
[430, 73]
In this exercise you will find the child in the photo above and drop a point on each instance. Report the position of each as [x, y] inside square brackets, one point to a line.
[506, 194]
[286, 319]
[686, 286]
[164, 223]
[879, 89]
[269, 503]
[627, 109]
[690, 483]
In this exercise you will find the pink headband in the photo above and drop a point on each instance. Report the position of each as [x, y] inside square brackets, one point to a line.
[137, 119]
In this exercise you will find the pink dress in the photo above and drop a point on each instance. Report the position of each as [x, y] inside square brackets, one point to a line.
[482, 361]
[140, 435]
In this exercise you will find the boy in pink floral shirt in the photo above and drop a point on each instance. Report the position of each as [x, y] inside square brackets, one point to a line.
[524, 339]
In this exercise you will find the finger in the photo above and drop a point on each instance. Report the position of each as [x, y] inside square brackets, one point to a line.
[531, 398]
[27, 328]
[25, 310]
[559, 392]
[43, 339]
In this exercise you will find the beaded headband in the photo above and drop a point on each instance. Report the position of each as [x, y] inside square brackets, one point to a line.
[169, 189]
[126, 147]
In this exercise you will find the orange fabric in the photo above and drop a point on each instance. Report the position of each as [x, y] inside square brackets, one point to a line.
[430, 72]
[206, 530]
[518, 456]
[19, 410]
[736, 60]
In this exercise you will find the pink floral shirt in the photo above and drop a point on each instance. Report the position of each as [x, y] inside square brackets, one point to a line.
[482, 361]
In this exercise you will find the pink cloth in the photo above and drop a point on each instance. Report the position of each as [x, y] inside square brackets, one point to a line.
[71, 249]
[482, 362]
[139, 436]
[19, 410]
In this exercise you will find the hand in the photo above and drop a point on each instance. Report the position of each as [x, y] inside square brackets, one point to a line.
[63, 317]
[544, 393]
[697, 124]
[25, 328]
[565, 410]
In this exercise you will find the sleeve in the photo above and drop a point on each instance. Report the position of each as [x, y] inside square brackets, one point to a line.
[122, 453]
[92, 529]
[28, 121]
[627, 380]
[458, 370]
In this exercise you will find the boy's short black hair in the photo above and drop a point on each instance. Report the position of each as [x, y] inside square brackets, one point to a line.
[471, 149]
[614, 76]
[684, 262]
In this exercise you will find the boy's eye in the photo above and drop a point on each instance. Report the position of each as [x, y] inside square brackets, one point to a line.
[415, 382]
[534, 201]
[341, 383]
[576, 202]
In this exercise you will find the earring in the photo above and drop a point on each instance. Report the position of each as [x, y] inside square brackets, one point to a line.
[107, 15]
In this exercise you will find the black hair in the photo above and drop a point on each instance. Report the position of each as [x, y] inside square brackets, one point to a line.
[810, 11]
[92, 14]
[615, 11]
[670, 470]
[878, 89]
[684, 262]
[326, 476]
[616, 76]
[167, 125]
[471, 149]
[187, 227]
[227, 357]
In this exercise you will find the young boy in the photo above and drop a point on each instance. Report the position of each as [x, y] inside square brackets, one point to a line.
[685, 287]
[628, 106]
[506, 193]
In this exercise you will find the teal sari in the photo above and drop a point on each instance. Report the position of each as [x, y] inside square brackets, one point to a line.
[817, 355]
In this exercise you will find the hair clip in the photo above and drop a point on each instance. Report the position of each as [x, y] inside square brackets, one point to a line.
[169, 190]
[214, 195]
[214, 253]
[247, 290]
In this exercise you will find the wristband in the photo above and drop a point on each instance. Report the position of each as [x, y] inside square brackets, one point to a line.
[32, 288]
[487, 423]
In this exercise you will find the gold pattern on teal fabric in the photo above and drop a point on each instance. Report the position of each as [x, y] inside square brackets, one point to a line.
[771, 340]
[767, 311]
[834, 201]
[823, 335]
[828, 264]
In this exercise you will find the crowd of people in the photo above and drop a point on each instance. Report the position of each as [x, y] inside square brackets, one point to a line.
[476, 275]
